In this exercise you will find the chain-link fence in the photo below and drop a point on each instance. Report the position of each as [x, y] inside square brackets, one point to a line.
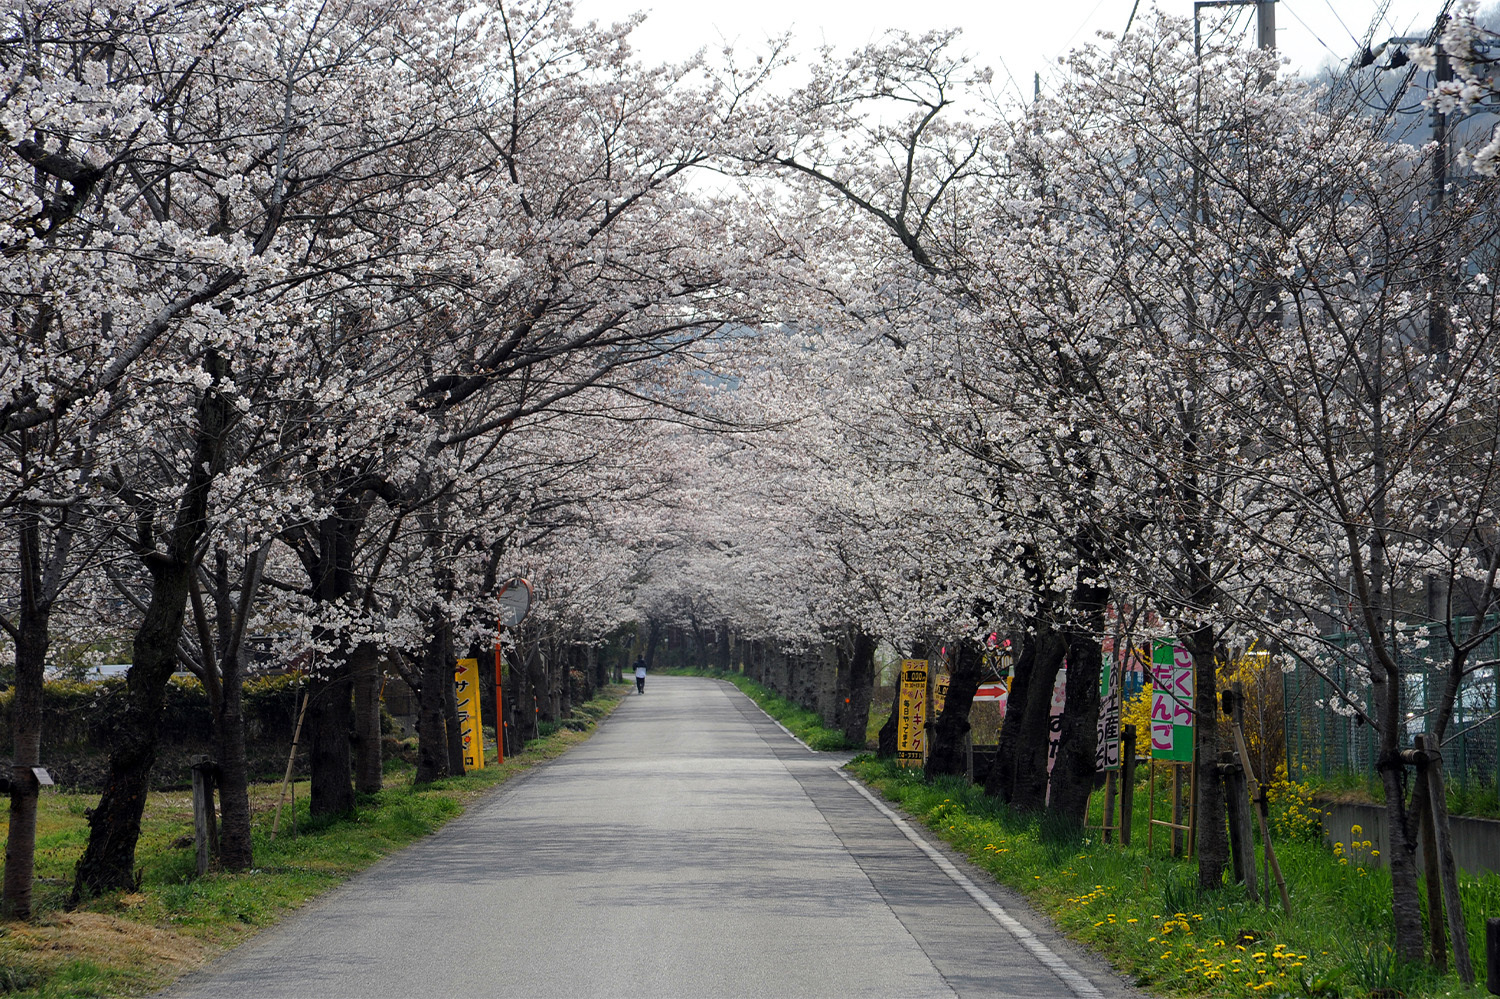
[1325, 736]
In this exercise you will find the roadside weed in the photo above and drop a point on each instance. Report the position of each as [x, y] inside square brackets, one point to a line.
[1146, 912]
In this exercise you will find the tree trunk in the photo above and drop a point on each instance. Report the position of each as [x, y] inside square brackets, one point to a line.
[1033, 727]
[1209, 815]
[886, 740]
[859, 688]
[653, 639]
[108, 861]
[236, 852]
[433, 757]
[26, 729]
[723, 655]
[330, 717]
[1074, 771]
[598, 670]
[1406, 907]
[1001, 780]
[946, 754]
[451, 724]
[368, 764]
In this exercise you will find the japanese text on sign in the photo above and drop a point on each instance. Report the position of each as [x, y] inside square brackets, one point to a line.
[466, 684]
[911, 730]
[1171, 703]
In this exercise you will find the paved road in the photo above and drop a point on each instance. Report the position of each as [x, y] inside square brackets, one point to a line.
[690, 848]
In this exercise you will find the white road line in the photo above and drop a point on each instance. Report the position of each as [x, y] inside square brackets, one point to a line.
[1080, 985]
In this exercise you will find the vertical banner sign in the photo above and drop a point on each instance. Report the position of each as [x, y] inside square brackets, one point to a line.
[911, 731]
[1111, 700]
[1054, 722]
[1171, 703]
[466, 683]
[939, 693]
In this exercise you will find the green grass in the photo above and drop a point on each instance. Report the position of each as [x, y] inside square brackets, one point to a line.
[131, 943]
[804, 724]
[1145, 913]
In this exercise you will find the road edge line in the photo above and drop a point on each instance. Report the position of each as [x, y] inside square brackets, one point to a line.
[1070, 976]
[773, 721]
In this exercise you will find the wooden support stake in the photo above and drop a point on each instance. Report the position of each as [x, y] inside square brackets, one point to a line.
[1438, 798]
[1177, 823]
[1150, 803]
[203, 811]
[291, 758]
[1437, 932]
[1107, 818]
[1127, 784]
[1262, 815]
[1241, 840]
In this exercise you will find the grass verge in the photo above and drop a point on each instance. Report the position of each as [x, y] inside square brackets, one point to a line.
[130, 943]
[1145, 913]
[804, 724]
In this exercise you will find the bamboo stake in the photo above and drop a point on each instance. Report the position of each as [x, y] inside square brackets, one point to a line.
[1260, 815]
[291, 759]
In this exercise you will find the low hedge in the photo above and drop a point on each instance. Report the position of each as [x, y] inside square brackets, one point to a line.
[80, 719]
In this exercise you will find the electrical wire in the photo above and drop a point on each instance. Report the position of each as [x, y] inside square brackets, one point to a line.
[1411, 69]
[1336, 17]
[1082, 24]
[1338, 58]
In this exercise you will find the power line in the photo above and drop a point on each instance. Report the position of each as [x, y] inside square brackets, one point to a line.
[1310, 31]
[1083, 24]
[1336, 17]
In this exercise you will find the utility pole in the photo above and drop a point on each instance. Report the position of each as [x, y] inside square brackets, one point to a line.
[1437, 315]
[1265, 24]
[1265, 21]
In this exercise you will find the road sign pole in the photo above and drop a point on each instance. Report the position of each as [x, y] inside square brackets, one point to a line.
[499, 697]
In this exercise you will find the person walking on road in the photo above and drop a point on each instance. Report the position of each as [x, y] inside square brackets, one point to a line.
[640, 674]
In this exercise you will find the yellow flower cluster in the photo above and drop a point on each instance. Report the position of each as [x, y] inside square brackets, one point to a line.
[1093, 896]
[1258, 970]
[1292, 811]
[1360, 849]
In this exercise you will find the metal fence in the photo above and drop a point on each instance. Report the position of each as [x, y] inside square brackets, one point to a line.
[1325, 738]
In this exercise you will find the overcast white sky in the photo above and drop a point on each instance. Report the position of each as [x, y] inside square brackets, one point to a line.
[1014, 37]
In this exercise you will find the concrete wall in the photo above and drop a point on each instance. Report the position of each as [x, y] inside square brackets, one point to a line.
[1476, 842]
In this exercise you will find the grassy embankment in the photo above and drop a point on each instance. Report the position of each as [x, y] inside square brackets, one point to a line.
[136, 942]
[1142, 909]
[1144, 912]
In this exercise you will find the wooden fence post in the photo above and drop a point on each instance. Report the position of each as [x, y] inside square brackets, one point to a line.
[1127, 783]
[205, 831]
[1492, 954]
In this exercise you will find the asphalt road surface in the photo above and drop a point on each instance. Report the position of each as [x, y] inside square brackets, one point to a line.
[690, 848]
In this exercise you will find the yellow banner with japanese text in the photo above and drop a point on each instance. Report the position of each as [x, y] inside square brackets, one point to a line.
[911, 730]
[466, 683]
